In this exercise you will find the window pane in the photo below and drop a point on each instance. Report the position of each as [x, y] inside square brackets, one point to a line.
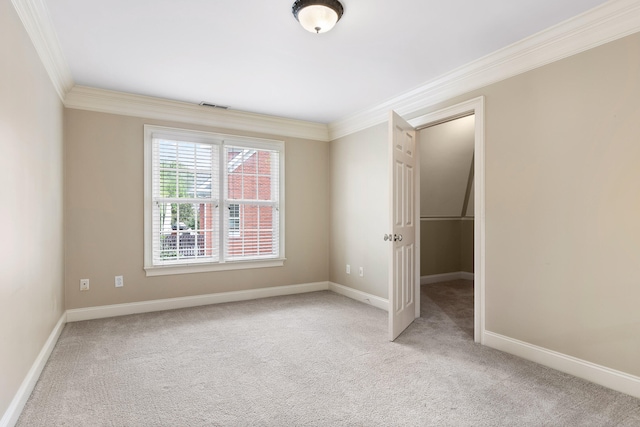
[185, 169]
[250, 163]
[203, 157]
[186, 231]
[249, 187]
[168, 181]
[258, 235]
[203, 185]
[234, 186]
[252, 174]
[264, 188]
[186, 183]
[167, 151]
[234, 159]
[186, 155]
[268, 176]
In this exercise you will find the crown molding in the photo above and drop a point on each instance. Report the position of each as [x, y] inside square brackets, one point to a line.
[36, 20]
[610, 21]
[106, 101]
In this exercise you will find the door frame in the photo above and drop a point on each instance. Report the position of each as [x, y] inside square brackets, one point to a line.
[473, 106]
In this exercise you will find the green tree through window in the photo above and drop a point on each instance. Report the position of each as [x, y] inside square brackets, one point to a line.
[177, 183]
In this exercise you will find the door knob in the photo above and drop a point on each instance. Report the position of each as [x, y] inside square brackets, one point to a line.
[387, 237]
[397, 237]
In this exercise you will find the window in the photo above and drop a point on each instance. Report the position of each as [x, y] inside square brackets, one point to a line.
[234, 219]
[212, 202]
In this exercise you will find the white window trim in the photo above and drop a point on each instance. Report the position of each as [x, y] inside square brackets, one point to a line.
[151, 131]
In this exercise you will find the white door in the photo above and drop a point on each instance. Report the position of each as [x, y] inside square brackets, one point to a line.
[402, 268]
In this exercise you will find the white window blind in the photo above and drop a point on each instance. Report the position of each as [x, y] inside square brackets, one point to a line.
[211, 199]
[251, 192]
[185, 202]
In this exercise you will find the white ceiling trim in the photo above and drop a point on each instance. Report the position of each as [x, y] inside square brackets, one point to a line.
[37, 21]
[106, 101]
[610, 21]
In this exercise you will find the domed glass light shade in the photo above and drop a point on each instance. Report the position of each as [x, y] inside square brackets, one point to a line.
[317, 16]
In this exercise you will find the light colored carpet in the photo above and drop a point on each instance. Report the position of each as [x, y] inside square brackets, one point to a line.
[316, 359]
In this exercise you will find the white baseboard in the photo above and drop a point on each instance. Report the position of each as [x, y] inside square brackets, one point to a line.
[89, 313]
[445, 277]
[610, 378]
[360, 296]
[10, 417]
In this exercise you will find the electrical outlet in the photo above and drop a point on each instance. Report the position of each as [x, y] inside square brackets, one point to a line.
[361, 271]
[84, 284]
[119, 281]
[348, 269]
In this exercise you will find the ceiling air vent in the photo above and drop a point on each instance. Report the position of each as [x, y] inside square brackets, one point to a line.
[209, 104]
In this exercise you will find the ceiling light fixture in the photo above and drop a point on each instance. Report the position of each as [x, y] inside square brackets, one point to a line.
[317, 16]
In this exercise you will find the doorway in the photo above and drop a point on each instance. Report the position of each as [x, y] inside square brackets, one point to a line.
[473, 107]
[447, 219]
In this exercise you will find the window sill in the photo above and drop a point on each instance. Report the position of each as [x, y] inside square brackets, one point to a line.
[166, 270]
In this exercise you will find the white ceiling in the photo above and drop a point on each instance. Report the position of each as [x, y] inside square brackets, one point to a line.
[252, 55]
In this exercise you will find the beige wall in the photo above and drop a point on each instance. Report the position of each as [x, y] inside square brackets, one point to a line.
[562, 205]
[31, 273]
[440, 247]
[446, 159]
[446, 156]
[359, 200]
[446, 246]
[104, 216]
